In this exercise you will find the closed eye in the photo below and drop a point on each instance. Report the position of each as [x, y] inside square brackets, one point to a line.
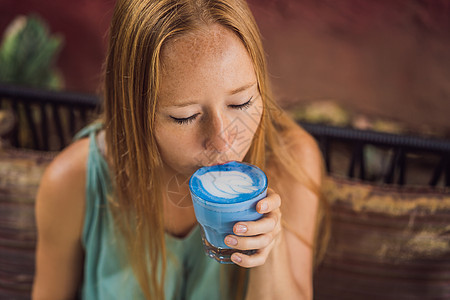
[188, 120]
[183, 121]
[243, 105]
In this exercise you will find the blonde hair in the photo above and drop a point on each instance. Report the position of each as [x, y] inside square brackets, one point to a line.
[139, 30]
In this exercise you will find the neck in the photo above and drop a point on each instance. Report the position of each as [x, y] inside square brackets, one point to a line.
[179, 217]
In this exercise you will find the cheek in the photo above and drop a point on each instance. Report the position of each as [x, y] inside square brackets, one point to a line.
[247, 129]
[254, 117]
[166, 140]
[174, 143]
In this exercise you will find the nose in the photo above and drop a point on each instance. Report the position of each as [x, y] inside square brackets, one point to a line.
[219, 138]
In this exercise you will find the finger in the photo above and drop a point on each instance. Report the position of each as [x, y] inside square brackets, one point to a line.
[249, 243]
[263, 225]
[250, 261]
[271, 202]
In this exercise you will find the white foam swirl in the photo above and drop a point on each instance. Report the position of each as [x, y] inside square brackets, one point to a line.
[227, 184]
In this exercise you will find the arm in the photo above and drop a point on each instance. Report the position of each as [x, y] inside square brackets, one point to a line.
[59, 217]
[287, 271]
[282, 269]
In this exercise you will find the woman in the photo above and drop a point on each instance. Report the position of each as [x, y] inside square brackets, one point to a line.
[185, 86]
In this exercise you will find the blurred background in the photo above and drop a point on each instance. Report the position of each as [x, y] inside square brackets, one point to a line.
[369, 64]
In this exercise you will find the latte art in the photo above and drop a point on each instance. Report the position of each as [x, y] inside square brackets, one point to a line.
[229, 185]
[233, 182]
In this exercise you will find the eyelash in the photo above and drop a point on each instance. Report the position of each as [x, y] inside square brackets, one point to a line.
[185, 120]
[243, 105]
[189, 120]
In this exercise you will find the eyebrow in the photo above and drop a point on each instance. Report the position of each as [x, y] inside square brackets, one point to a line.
[242, 88]
[232, 92]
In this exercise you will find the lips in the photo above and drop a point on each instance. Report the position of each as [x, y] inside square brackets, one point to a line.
[222, 163]
[217, 163]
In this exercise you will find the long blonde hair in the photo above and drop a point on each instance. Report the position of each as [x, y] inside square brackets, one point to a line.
[139, 30]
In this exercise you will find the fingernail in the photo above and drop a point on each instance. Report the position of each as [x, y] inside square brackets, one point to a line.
[235, 258]
[241, 228]
[231, 241]
[263, 207]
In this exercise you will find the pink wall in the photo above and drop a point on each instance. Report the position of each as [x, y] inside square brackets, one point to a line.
[388, 58]
[83, 23]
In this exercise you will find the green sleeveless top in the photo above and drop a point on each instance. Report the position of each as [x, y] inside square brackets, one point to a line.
[190, 274]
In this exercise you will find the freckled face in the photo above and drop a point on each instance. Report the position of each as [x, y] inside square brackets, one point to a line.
[209, 106]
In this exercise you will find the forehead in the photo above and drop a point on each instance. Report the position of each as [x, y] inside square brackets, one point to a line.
[209, 39]
[212, 55]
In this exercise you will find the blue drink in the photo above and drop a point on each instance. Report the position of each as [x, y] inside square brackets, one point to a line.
[223, 195]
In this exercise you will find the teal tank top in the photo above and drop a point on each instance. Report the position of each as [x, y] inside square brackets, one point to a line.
[190, 274]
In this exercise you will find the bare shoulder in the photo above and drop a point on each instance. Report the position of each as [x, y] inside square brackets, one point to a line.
[306, 152]
[69, 162]
[300, 201]
[68, 169]
[60, 205]
[62, 188]
[306, 155]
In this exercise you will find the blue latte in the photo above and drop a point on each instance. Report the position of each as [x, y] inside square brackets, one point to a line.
[223, 195]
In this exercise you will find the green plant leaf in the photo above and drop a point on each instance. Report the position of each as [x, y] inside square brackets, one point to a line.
[28, 53]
